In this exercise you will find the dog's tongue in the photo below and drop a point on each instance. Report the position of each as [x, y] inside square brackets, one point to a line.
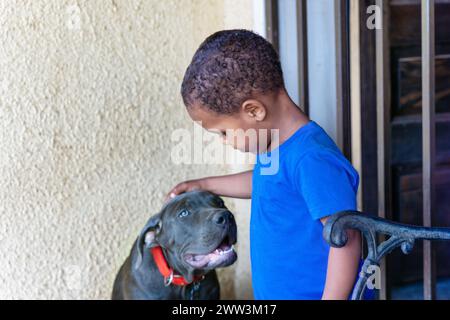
[200, 257]
[200, 260]
[220, 249]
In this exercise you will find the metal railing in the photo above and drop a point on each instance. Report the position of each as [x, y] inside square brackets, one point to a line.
[399, 235]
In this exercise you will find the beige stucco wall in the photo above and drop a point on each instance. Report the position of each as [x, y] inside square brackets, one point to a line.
[88, 100]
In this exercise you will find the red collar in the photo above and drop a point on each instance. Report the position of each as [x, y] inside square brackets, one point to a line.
[167, 272]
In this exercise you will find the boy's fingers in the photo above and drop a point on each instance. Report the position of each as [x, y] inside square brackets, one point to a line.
[169, 196]
[180, 188]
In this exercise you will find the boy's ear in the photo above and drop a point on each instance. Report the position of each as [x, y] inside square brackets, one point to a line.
[254, 109]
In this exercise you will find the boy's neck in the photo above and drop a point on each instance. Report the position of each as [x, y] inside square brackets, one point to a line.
[286, 116]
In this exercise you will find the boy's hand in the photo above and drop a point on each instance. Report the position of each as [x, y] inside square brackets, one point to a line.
[238, 185]
[183, 187]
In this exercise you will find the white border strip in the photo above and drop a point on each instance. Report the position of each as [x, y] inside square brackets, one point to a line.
[259, 17]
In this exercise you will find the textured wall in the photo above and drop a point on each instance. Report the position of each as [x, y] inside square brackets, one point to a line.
[88, 100]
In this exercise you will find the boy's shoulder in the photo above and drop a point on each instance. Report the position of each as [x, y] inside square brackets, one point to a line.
[310, 140]
[319, 171]
[315, 149]
[309, 148]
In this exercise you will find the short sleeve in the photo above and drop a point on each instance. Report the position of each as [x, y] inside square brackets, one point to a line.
[328, 183]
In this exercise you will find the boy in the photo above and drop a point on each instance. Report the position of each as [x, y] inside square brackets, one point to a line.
[235, 82]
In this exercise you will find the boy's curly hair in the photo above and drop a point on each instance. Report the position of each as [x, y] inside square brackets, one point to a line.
[229, 67]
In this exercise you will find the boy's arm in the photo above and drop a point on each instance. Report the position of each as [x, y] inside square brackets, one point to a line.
[342, 267]
[237, 185]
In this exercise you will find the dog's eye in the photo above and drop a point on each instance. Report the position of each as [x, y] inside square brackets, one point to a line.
[184, 213]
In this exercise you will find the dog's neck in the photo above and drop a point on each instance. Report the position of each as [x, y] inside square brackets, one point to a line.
[149, 281]
[178, 268]
[172, 261]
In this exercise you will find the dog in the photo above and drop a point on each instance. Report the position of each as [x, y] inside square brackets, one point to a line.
[178, 250]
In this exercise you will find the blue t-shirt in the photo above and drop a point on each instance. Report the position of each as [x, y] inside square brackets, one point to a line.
[304, 179]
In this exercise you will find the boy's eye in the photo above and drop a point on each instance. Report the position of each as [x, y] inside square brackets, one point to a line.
[184, 213]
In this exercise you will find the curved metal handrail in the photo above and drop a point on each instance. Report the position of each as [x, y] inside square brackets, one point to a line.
[402, 235]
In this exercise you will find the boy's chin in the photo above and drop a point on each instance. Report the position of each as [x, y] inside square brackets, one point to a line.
[243, 150]
[259, 150]
[256, 152]
[252, 149]
[248, 150]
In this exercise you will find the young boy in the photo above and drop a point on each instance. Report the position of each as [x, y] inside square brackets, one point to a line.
[235, 82]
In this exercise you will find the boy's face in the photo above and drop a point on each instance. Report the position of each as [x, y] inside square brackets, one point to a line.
[238, 130]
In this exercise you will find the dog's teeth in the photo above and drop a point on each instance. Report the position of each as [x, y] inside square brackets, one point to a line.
[229, 249]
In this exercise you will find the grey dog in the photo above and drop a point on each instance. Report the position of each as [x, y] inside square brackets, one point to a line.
[196, 233]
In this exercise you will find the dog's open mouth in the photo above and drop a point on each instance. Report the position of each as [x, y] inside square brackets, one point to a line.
[222, 256]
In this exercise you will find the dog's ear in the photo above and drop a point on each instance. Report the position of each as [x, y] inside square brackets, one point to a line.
[147, 237]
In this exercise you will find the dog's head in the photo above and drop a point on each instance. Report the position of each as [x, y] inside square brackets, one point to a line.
[196, 230]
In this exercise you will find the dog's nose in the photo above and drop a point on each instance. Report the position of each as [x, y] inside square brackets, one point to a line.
[222, 217]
